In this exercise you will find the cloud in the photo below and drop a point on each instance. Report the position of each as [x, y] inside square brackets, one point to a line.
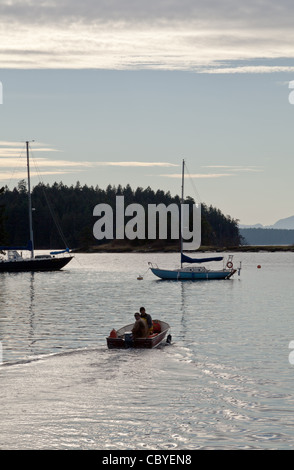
[135, 164]
[211, 36]
[133, 11]
[10, 152]
[13, 159]
[199, 175]
[10, 160]
[235, 168]
[23, 174]
[231, 170]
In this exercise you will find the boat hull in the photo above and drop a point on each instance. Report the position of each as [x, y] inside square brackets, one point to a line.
[150, 342]
[178, 275]
[34, 265]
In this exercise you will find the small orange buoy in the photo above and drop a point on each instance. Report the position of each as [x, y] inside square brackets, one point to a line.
[258, 266]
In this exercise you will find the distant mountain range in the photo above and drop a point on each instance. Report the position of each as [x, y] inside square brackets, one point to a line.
[282, 224]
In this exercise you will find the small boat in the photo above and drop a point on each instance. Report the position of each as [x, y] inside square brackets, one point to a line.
[194, 273]
[15, 262]
[122, 338]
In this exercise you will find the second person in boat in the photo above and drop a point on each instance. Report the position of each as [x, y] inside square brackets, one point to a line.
[147, 319]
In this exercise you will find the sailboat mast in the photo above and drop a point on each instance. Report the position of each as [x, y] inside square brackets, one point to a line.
[182, 202]
[30, 202]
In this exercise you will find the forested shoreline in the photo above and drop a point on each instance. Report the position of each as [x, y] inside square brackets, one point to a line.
[63, 215]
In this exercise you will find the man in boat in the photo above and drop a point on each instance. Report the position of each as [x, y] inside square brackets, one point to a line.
[140, 328]
[147, 319]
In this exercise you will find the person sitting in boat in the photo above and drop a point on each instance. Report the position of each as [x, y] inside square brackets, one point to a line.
[140, 328]
[147, 319]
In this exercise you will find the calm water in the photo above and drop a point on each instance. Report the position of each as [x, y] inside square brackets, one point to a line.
[224, 383]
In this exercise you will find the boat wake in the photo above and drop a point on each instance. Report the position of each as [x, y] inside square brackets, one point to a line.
[96, 398]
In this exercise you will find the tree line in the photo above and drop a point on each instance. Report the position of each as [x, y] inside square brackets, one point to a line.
[63, 215]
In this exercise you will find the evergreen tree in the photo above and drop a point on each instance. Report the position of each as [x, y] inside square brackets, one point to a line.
[59, 209]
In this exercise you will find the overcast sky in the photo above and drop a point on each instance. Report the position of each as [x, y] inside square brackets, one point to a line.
[187, 34]
[120, 91]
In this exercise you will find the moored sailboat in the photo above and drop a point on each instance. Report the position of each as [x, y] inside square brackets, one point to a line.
[15, 262]
[197, 273]
[193, 273]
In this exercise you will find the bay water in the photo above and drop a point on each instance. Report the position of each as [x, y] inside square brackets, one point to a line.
[225, 382]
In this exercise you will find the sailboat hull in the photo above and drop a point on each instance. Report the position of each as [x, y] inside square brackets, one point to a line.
[34, 265]
[184, 275]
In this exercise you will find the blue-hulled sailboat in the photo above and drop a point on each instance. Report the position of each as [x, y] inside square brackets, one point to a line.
[195, 273]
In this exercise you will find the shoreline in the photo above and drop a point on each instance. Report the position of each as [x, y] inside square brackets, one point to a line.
[113, 248]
